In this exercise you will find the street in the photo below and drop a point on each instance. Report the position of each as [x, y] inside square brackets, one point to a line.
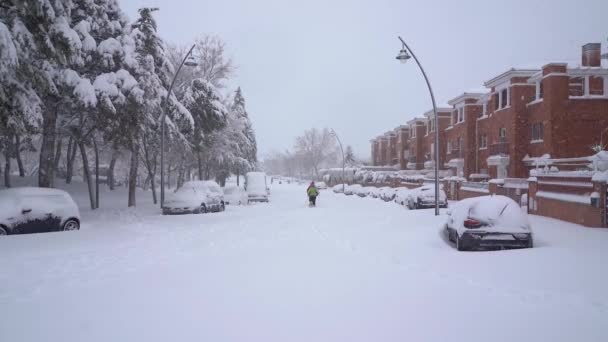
[351, 269]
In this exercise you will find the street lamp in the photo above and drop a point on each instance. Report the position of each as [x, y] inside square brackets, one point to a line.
[190, 62]
[343, 160]
[403, 56]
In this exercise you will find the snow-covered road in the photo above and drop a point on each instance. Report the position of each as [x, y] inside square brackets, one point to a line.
[351, 269]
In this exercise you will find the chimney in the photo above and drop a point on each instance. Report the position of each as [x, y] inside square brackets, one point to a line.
[591, 55]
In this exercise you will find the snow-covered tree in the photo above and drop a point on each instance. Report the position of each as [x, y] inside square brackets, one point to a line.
[209, 113]
[349, 156]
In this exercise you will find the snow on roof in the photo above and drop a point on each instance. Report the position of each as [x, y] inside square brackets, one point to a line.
[507, 75]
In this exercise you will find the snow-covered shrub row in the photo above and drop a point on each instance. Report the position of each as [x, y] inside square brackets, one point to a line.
[78, 77]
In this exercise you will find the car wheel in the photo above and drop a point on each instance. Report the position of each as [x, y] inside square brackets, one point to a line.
[3, 231]
[530, 243]
[222, 207]
[459, 243]
[449, 232]
[70, 225]
[202, 209]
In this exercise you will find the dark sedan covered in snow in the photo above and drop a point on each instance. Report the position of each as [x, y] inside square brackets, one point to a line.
[37, 210]
[488, 221]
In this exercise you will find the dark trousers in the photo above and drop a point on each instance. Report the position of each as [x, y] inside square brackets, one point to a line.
[312, 200]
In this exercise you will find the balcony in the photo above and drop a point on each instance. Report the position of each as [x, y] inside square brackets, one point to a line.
[501, 148]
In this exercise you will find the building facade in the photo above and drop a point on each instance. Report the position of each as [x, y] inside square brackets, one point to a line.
[524, 118]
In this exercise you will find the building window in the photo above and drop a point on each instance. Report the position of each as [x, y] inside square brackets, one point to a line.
[432, 125]
[541, 92]
[504, 98]
[596, 85]
[484, 109]
[449, 147]
[502, 135]
[496, 99]
[413, 130]
[460, 114]
[537, 132]
[576, 86]
[483, 141]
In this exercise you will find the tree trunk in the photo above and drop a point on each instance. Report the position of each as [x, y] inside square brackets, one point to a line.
[7, 169]
[181, 173]
[70, 156]
[111, 170]
[133, 175]
[238, 177]
[18, 156]
[57, 154]
[200, 166]
[46, 167]
[87, 172]
[96, 173]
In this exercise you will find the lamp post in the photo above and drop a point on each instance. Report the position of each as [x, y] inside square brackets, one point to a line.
[403, 56]
[187, 61]
[343, 160]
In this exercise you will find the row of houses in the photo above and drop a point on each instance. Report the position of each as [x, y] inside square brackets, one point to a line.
[519, 119]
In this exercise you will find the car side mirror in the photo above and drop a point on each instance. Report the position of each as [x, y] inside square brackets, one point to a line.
[25, 211]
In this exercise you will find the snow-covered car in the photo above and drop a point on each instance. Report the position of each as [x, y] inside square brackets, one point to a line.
[387, 193]
[373, 192]
[37, 210]
[402, 196]
[195, 197]
[363, 191]
[256, 186]
[352, 189]
[488, 221]
[234, 195]
[424, 197]
[339, 189]
[321, 185]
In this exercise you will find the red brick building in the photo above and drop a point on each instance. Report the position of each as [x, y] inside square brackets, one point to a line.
[526, 115]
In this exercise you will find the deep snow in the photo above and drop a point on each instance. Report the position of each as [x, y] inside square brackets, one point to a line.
[352, 269]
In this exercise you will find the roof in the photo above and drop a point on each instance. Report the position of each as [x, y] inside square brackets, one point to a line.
[507, 75]
[440, 110]
[416, 120]
[466, 95]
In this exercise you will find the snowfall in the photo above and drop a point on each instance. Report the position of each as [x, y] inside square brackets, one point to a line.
[351, 269]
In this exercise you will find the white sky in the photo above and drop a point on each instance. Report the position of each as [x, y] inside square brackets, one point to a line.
[332, 63]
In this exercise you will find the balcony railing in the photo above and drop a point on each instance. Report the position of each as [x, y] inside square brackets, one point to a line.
[500, 148]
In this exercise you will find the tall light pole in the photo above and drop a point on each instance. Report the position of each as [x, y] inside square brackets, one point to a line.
[343, 160]
[403, 56]
[187, 61]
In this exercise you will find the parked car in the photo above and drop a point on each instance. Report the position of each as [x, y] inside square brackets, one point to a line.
[387, 193]
[256, 186]
[424, 197]
[339, 189]
[195, 197]
[402, 196]
[352, 189]
[362, 191]
[234, 195]
[321, 185]
[373, 192]
[37, 210]
[488, 221]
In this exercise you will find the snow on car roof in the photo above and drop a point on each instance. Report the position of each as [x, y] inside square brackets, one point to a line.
[498, 210]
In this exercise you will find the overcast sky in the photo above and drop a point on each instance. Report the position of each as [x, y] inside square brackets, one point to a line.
[322, 63]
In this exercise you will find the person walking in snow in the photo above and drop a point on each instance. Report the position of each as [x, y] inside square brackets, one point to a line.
[312, 193]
